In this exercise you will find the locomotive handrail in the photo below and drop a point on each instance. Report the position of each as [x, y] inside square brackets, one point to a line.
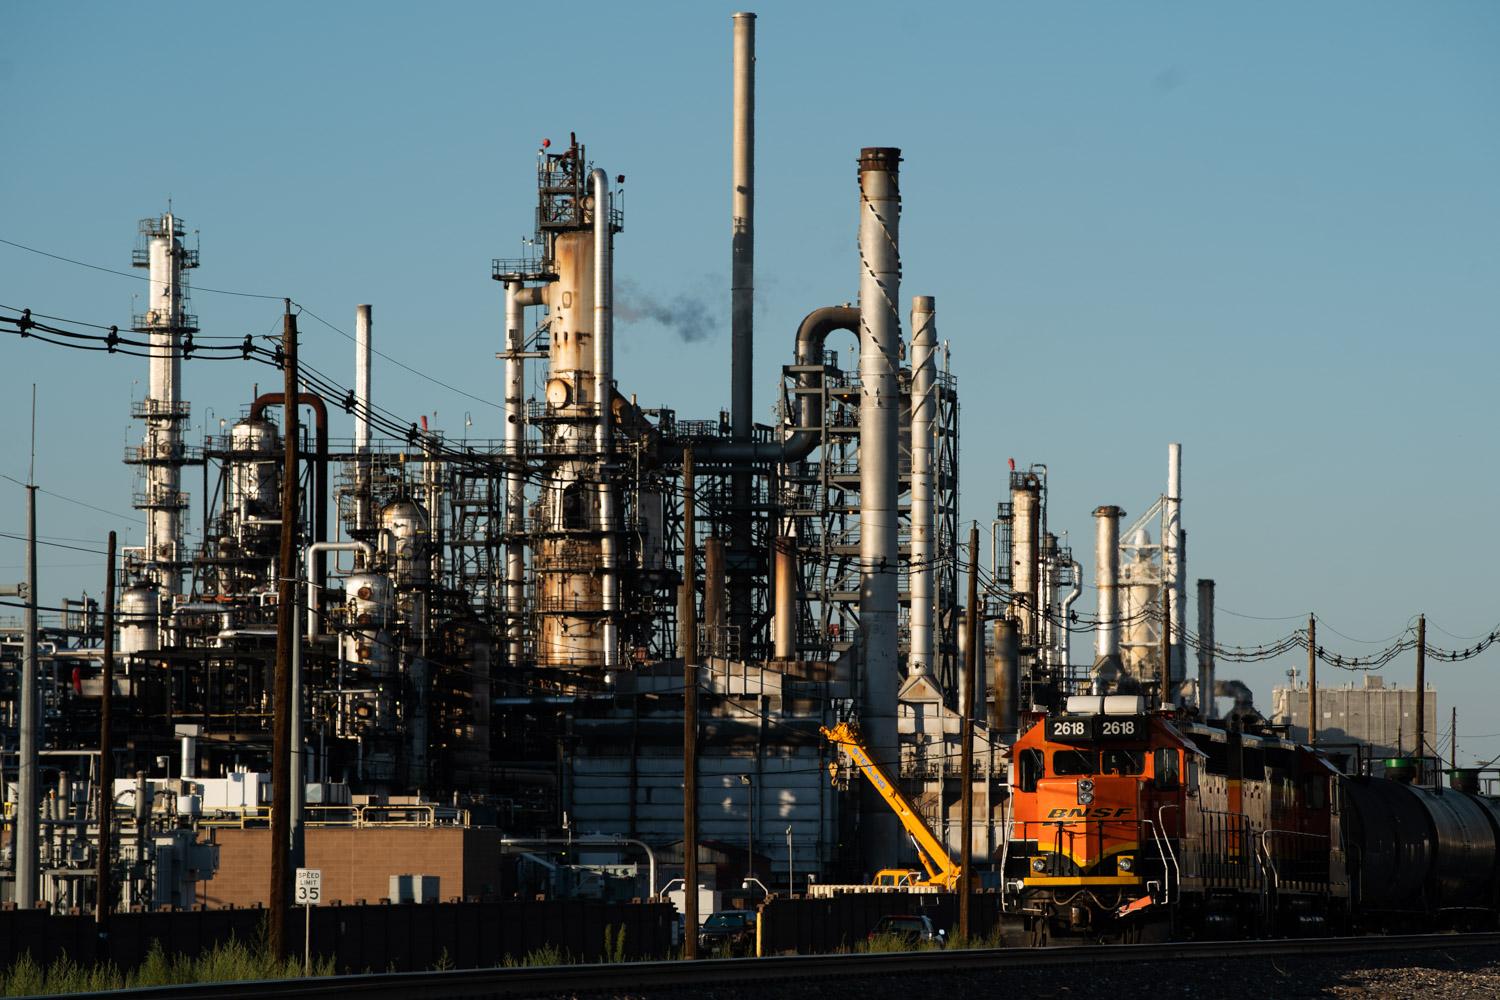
[1161, 820]
[1265, 849]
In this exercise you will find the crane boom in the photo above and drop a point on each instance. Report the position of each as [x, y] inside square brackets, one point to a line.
[941, 869]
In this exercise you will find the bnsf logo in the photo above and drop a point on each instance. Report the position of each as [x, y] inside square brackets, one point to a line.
[1092, 812]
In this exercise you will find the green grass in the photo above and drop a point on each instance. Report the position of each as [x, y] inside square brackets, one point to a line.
[224, 963]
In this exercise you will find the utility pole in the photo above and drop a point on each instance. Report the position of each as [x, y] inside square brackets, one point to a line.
[1453, 741]
[286, 634]
[102, 904]
[687, 614]
[966, 786]
[1312, 681]
[27, 820]
[1421, 742]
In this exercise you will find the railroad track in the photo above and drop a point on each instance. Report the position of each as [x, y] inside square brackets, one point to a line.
[568, 979]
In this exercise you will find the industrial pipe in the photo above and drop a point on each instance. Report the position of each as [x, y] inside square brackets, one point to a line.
[362, 325]
[517, 298]
[320, 464]
[1174, 561]
[879, 426]
[742, 319]
[1067, 614]
[1026, 509]
[604, 358]
[923, 421]
[812, 334]
[1206, 707]
[1005, 710]
[784, 623]
[1107, 580]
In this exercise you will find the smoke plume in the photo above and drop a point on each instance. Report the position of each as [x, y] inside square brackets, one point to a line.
[685, 314]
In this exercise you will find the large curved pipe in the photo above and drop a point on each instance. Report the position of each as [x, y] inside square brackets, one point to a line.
[811, 336]
[1067, 612]
[604, 357]
[320, 465]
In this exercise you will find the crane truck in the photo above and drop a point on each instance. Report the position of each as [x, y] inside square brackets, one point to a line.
[941, 870]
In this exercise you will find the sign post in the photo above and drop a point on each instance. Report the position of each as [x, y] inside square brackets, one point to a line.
[309, 893]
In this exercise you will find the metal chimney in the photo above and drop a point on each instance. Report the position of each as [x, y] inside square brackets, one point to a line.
[879, 426]
[923, 421]
[742, 313]
[1206, 706]
[1107, 581]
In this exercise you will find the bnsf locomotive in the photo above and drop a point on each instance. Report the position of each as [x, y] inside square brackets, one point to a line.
[1130, 825]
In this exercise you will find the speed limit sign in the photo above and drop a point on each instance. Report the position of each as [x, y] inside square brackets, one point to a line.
[309, 886]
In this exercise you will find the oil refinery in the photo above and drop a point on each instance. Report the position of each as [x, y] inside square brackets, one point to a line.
[556, 658]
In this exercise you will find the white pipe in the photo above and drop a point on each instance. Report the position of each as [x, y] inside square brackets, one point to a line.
[1174, 570]
[517, 298]
[879, 428]
[603, 389]
[362, 324]
[315, 599]
[1107, 579]
[1067, 611]
[923, 420]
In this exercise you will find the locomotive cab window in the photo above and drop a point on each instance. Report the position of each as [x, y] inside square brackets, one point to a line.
[1123, 762]
[1028, 769]
[1167, 767]
[1069, 762]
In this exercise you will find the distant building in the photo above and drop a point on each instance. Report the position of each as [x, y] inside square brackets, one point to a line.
[1383, 717]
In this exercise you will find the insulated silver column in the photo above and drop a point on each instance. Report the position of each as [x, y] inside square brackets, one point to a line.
[1026, 514]
[742, 317]
[879, 425]
[1107, 579]
[923, 420]
[1174, 559]
[604, 363]
[362, 322]
[517, 298]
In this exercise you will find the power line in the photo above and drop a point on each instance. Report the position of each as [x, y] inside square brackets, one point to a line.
[138, 277]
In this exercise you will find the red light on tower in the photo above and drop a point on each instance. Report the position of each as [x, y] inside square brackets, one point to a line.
[546, 143]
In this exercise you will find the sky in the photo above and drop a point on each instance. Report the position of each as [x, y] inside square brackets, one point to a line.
[1270, 232]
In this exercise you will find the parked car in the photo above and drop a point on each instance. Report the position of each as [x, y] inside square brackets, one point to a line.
[915, 930]
[731, 931]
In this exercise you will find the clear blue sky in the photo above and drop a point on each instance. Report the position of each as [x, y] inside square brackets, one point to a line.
[1268, 231]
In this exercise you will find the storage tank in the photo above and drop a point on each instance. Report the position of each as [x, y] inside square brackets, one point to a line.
[140, 609]
[369, 601]
[1463, 873]
[408, 525]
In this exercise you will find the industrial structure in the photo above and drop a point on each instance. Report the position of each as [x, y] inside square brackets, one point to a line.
[493, 628]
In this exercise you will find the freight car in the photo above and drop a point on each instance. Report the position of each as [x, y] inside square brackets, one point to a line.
[1129, 825]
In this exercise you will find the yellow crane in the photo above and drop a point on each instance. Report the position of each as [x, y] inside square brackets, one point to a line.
[942, 871]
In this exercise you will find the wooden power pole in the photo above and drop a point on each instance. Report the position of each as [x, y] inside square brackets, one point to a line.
[286, 634]
[1421, 693]
[1312, 681]
[966, 771]
[106, 803]
[687, 614]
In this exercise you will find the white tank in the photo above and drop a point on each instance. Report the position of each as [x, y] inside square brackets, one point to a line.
[369, 598]
[407, 523]
[139, 611]
[254, 473]
[1139, 596]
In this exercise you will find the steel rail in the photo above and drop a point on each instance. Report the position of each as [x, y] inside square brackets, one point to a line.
[543, 980]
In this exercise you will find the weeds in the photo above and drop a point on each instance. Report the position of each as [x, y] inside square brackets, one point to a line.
[227, 962]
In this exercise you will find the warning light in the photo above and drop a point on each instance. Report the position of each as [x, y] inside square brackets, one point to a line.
[546, 143]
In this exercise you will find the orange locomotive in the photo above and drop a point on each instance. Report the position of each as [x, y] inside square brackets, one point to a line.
[1128, 825]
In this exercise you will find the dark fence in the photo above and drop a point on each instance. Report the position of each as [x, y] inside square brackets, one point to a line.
[813, 926]
[401, 938]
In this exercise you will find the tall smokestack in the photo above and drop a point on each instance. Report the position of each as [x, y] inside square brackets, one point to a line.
[1174, 558]
[362, 321]
[923, 420]
[1107, 581]
[742, 313]
[1206, 707]
[879, 423]
[1026, 513]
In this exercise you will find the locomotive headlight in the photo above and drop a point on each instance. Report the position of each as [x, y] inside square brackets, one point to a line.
[1038, 864]
[1125, 862]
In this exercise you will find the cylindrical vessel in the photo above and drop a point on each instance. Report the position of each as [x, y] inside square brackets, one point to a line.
[406, 523]
[1139, 595]
[713, 597]
[1206, 706]
[742, 231]
[785, 622]
[1006, 707]
[1025, 583]
[1174, 559]
[879, 414]
[139, 612]
[254, 480]
[604, 364]
[1106, 579]
[923, 421]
